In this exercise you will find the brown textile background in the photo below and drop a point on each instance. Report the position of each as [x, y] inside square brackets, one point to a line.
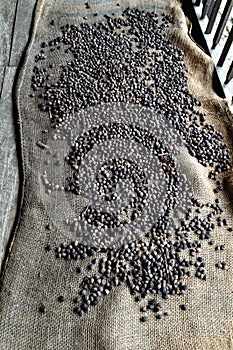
[33, 276]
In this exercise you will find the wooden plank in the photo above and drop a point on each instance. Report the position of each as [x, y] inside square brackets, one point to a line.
[213, 16]
[7, 18]
[205, 8]
[22, 28]
[2, 72]
[8, 164]
[229, 74]
[222, 23]
[226, 48]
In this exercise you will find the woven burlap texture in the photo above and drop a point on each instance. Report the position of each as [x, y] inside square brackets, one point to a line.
[32, 276]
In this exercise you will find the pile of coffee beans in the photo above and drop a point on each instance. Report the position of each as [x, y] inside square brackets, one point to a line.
[127, 58]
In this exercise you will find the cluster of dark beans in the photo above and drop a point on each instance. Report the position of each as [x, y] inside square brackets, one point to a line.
[128, 59]
[121, 169]
[147, 267]
[150, 266]
[75, 250]
[113, 171]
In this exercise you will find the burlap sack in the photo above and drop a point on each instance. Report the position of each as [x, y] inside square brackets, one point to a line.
[32, 276]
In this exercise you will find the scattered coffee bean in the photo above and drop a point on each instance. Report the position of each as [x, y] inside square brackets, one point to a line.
[42, 309]
[144, 318]
[183, 307]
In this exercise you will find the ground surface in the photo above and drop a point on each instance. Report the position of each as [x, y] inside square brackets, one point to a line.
[15, 20]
